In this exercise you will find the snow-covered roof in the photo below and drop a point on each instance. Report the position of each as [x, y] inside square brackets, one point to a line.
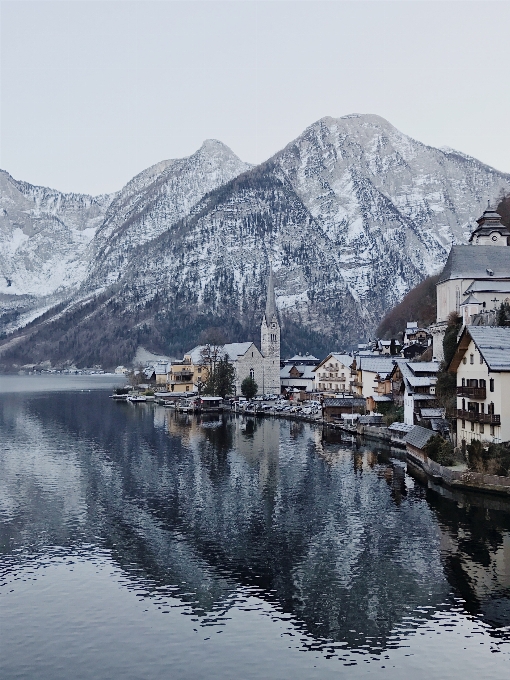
[161, 369]
[382, 397]
[233, 349]
[493, 343]
[488, 286]
[307, 372]
[432, 412]
[400, 427]
[419, 436]
[424, 366]
[299, 357]
[381, 365]
[470, 300]
[477, 262]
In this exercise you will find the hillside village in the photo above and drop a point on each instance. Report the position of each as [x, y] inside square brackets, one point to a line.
[451, 379]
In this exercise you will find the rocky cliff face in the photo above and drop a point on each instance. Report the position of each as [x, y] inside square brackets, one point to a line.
[352, 213]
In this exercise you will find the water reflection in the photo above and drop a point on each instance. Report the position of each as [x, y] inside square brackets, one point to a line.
[332, 533]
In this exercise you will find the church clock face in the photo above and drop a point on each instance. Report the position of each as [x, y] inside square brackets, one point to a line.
[494, 238]
[273, 325]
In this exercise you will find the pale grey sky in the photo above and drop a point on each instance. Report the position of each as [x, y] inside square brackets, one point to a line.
[93, 92]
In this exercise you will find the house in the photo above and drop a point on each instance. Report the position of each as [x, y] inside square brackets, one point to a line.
[477, 275]
[161, 373]
[334, 373]
[298, 376]
[186, 375]
[333, 409]
[416, 439]
[373, 375]
[413, 350]
[414, 334]
[482, 365]
[414, 386]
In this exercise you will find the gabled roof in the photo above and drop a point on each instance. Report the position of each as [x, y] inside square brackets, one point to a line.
[493, 343]
[305, 371]
[345, 401]
[233, 349]
[424, 367]
[345, 359]
[298, 358]
[476, 262]
[419, 436]
[470, 300]
[381, 365]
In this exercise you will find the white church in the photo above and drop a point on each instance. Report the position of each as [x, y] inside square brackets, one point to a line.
[264, 365]
[475, 279]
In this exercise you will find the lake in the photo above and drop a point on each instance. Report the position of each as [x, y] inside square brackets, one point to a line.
[137, 543]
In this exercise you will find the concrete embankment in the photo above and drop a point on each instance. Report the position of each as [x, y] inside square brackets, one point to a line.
[474, 481]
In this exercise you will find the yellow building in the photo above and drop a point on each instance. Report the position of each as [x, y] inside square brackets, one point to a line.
[186, 376]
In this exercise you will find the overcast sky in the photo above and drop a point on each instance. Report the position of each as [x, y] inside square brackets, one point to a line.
[93, 92]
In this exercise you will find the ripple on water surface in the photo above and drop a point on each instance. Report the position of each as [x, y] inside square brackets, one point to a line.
[138, 543]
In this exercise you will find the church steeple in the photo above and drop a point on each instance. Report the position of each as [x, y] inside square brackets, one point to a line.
[270, 340]
[271, 299]
[490, 231]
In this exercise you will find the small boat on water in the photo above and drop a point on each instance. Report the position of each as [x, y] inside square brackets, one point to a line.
[119, 397]
[137, 399]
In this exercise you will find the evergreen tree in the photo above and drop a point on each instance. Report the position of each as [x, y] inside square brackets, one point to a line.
[503, 316]
[249, 388]
[221, 379]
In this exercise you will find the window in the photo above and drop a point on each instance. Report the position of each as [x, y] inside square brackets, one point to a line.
[491, 384]
[463, 382]
[482, 429]
[471, 358]
[187, 388]
[199, 369]
[463, 404]
[252, 355]
[481, 359]
[252, 373]
[482, 383]
[492, 430]
[490, 409]
[472, 426]
[464, 360]
[463, 424]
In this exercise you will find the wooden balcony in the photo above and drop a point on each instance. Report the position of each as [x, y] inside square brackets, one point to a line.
[472, 392]
[475, 417]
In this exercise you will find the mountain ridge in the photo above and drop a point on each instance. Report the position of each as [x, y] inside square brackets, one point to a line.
[353, 214]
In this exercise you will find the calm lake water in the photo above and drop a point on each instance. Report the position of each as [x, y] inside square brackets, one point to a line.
[140, 544]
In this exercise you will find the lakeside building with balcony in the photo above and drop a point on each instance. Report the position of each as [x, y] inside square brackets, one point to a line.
[414, 387]
[335, 374]
[482, 365]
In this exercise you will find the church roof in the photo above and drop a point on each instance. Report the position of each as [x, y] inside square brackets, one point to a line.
[477, 262]
[471, 300]
[233, 349]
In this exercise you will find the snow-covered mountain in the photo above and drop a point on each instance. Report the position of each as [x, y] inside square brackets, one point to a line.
[352, 213]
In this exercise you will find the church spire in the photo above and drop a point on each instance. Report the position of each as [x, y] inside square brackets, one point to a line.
[271, 299]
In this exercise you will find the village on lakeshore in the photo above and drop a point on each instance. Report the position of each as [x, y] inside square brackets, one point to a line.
[442, 391]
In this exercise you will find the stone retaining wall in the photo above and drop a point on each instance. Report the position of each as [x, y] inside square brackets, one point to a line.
[455, 478]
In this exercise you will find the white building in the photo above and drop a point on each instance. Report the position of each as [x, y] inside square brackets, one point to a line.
[415, 384]
[475, 278]
[333, 374]
[298, 376]
[482, 365]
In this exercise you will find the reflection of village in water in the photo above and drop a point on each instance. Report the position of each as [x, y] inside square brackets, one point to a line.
[330, 531]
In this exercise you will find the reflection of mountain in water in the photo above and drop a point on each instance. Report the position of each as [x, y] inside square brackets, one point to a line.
[348, 546]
